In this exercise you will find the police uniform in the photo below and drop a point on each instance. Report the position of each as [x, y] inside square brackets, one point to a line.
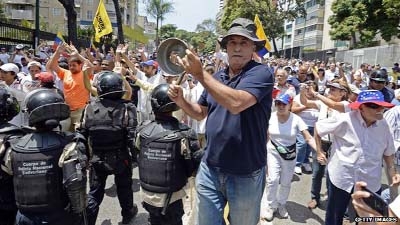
[8, 133]
[110, 123]
[48, 167]
[165, 160]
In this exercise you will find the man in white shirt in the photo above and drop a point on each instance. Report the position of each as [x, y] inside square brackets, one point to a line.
[150, 76]
[357, 151]
[4, 56]
[332, 72]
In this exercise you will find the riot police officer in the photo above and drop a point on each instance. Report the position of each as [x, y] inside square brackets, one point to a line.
[48, 167]
[8, 133]
[166, 160]
[110, 123]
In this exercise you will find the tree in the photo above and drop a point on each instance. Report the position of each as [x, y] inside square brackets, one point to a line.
[167, 31]
[158, 9]
[2, 15]
[271, 13]
[207, 25]
[119, 22]
[360, 21]
[69, 6]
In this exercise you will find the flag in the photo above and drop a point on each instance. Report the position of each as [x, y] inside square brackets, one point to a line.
[261, 35]
[102, 24]
[58, 40]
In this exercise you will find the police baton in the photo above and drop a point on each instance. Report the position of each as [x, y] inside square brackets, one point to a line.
[166, 203]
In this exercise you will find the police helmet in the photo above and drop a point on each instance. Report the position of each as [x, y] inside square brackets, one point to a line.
[47, 107]
[379, 75]
[9, 106]
[160, 102]
[110, 85]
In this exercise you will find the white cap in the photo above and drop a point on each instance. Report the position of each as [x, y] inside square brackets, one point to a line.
[8, 67]
[34, 63]
[354, 89]
[19, 46]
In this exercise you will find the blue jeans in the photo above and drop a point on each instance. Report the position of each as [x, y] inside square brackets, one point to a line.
[242, 192]
[318, 171]
[303, 149]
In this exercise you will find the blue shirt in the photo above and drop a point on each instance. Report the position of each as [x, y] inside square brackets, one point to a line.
[236, 144]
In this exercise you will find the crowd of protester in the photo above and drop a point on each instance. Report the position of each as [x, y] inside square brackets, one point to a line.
[306, 94]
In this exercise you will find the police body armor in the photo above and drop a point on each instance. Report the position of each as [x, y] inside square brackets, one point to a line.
[38, 180]
[8, 133]
[160, 150]
[104, 121]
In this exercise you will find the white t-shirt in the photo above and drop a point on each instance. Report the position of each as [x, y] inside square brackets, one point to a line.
[322, 84]
[4, 57]
[309, 115]
[331, 75]
[284, 133]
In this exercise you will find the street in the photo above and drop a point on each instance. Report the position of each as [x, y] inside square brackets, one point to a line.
[297, 205]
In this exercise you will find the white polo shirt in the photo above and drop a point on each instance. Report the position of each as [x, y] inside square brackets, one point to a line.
[357, 150]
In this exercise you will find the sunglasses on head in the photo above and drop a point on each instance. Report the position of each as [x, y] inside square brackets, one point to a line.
[372, 105]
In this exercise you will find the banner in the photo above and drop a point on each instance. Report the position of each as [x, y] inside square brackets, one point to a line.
[102, 24]
[261, 35]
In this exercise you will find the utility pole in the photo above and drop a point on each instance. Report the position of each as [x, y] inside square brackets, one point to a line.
[37, 27]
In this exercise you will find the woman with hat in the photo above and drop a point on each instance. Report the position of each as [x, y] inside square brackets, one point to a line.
[281, 154]
[329, 106]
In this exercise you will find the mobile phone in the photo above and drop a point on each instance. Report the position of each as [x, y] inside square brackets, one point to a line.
[376, 202]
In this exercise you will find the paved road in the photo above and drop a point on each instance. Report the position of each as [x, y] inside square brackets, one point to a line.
[297, 205]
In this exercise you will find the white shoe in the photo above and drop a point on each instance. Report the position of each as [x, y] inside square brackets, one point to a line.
[297, 170]
[307, 167]
[283, 212]
[268, 214]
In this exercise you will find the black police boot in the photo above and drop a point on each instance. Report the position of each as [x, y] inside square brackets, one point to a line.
[126, 219]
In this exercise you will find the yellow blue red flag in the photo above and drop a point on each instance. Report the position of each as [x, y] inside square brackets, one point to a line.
[58, 40]
[261, 35]
[102, 24]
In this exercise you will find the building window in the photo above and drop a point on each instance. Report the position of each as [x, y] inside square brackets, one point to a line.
[90, 2]
[289, 28]
[89, 15]
[288, 38]
[299, 20]
[57, 12]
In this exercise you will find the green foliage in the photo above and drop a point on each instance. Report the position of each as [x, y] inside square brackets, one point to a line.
[361, 20]
[158, 9]
[167, 31]
[271, 13]
[391, 8]
[2, 13]
[203, 40]
[209, 25]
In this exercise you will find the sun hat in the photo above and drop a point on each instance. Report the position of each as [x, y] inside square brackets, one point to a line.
[370, 96]
[245, 28]
[336, 85]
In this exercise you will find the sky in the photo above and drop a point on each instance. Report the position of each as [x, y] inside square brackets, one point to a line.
[187, 13]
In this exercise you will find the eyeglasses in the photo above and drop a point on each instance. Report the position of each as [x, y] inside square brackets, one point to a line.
[372, 105]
